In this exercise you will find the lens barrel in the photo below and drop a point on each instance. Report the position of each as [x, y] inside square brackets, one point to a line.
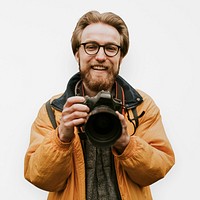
[103, 126]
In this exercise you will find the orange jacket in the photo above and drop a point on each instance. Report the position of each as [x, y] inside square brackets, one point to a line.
[59, 167]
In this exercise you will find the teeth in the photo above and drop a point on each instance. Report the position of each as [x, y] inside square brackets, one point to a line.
[97, 67]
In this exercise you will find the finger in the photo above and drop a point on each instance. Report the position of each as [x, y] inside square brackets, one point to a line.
[121, 117]
[74, 100]
[75, 122]
[74, 115]
[74, 108]
[122, 120]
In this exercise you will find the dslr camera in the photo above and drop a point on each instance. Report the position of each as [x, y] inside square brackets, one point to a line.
[103, 126]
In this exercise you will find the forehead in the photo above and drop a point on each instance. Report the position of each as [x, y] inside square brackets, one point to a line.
[101, 33]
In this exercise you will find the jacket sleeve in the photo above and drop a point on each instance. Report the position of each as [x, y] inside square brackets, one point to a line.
[149, 155]
[48, 161]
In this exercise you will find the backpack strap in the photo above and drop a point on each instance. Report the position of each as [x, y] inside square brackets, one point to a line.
[51, 114]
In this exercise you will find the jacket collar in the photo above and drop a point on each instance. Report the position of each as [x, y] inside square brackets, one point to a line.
[132, 97]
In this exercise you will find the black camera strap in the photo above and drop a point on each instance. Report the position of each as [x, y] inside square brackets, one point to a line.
[133, 116]
[118, 93]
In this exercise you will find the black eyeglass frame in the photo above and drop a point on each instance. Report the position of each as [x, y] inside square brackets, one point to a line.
[99, 46]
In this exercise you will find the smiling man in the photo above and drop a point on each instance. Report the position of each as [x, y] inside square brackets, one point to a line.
[100, 65]
[64, 160]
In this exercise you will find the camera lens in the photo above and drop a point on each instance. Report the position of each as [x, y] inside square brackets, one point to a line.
[102, 123]
[103, 126]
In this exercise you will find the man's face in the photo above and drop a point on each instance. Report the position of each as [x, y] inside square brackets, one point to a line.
[99, 71]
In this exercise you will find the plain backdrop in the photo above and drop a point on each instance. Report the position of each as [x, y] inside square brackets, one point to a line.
[36, 62]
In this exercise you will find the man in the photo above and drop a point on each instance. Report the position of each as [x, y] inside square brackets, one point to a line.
[64, 161]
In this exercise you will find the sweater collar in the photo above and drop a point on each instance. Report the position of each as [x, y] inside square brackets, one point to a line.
[132, 97]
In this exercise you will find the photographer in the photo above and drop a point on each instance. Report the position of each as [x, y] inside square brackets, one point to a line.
[108, 141]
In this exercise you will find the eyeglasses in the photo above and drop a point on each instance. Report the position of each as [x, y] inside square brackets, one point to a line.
[92, 48]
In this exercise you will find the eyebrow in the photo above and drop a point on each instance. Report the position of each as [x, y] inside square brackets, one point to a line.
[107, 43]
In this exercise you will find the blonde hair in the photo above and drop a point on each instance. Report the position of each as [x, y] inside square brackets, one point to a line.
[106, 18]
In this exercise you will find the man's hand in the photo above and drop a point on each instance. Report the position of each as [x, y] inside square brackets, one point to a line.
[124, 139]
[74, 113]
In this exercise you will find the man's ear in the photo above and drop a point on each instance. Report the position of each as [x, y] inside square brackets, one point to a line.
[120, 60]
[77, 56]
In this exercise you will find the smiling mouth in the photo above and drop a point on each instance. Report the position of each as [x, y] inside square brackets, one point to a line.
[99, 67]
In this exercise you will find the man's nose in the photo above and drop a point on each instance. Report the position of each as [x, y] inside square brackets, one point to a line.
[101, 54]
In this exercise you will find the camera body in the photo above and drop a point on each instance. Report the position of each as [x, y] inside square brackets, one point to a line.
[103, 126]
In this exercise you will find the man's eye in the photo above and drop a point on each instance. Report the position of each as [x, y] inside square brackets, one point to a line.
[111, 48]
[91, 47]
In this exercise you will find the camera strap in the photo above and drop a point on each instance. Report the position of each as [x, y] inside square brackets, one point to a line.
[118, 94]
[133, 116]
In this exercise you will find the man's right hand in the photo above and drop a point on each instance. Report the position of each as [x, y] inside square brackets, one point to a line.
[74, 114]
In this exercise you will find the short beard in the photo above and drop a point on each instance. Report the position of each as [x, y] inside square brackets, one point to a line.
[100, 84]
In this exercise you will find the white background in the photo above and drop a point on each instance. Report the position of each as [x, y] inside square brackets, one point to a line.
[36, 62]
